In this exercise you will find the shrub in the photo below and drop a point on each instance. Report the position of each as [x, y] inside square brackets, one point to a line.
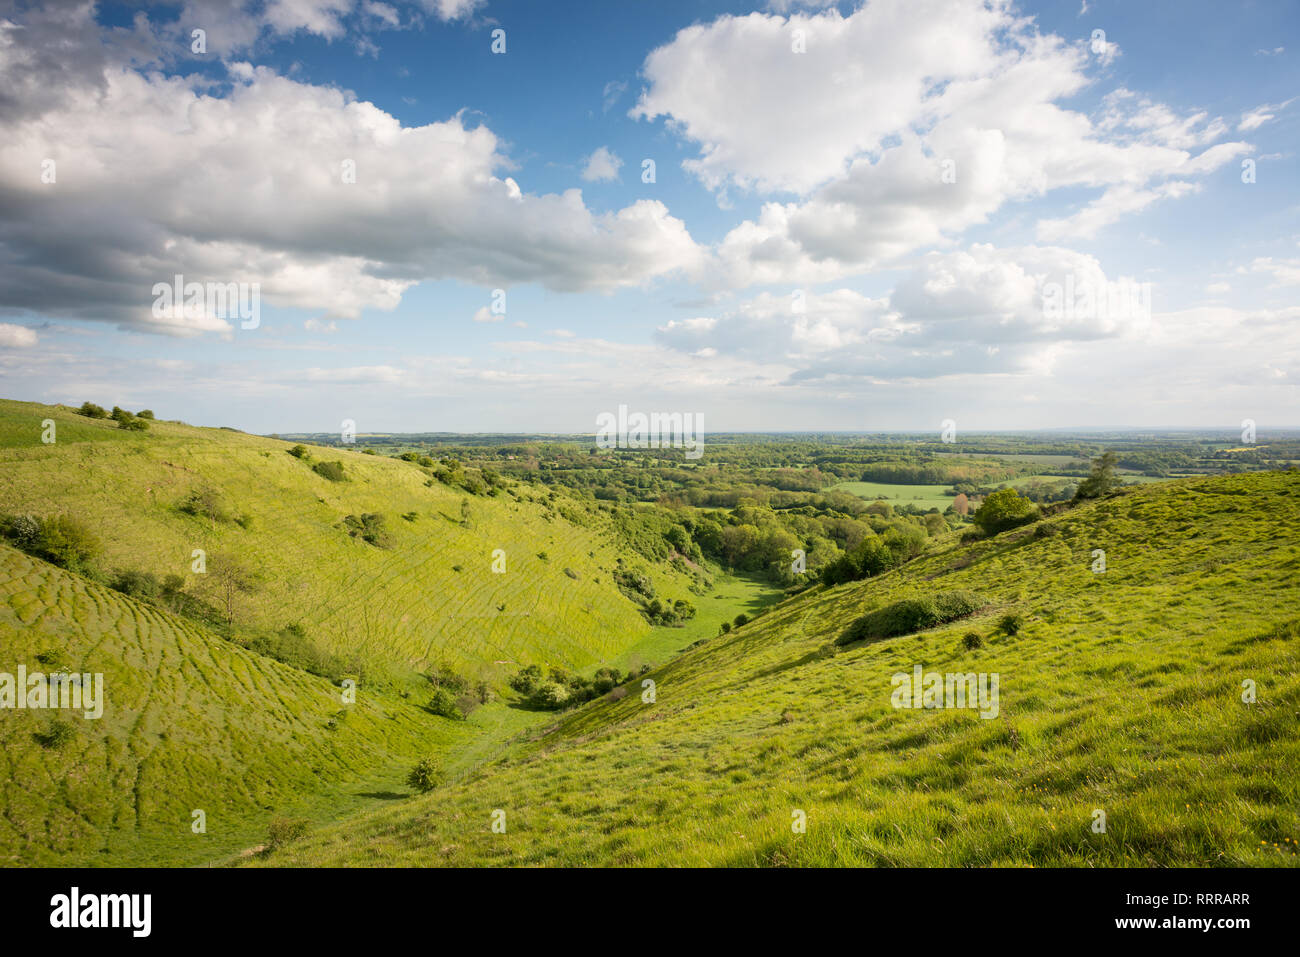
[330, 470]
[137, 584]
[425, 776]
[911, 615]
[92, 411]
[1012, 623]
[23, 530]
[145, 414]
[298, 451]
[207, 503]
[549, 695]
[283, 830]
[133, 424]
[1004, 509]
[525, 680]
[55, 735]
[971, 641]
[617, 694]
[65, 542]
[443, 704]
[742, 619]
[368, 527]
[572, 574]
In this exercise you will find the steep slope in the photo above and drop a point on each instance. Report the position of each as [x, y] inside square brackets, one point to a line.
[431, 597]
[1121, 692]
[190, 722]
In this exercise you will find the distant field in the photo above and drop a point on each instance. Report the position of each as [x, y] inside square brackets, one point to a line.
[923, 496]
[1027, 458]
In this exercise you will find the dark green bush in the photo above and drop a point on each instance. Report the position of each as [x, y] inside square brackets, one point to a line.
[330, 470]
[525, 680]
[425, 776]
[911, 615]
[298, 451]
[55, 735]
[1012, 623]
[443, 704]
[370, 528]
[92, 411]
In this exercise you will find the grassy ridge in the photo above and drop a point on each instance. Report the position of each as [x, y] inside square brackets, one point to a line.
[430, 598]
[1121, 693]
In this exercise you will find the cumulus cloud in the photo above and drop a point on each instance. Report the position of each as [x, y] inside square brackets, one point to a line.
[904, 124]
[16, 337]
[979, 310]
[326, 201]
[602, 165]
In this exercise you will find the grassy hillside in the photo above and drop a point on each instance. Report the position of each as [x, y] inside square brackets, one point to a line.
[190, 722]
[429, 598]
[197, 720]
[1120, 692]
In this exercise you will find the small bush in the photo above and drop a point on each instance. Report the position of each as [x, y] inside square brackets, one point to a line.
[145, 414]
[133, 424]
[425, 776]
[65, 542]
[549, 695]
[137, 584]
[971, 641]
[283, 830]
[298, 451]
[1012, 623]
[443, 704]
[525, 680]
[330, 470]
[92, 411]
[207, 503]
[911, 615]
[56, 735]
[370, 528]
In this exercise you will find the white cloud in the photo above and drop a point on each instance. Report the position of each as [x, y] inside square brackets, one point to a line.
[905, 124]
[1283, 272]
[601, 165]
[158, 177]
[13, 336]
[484, 314]
[1254, 119]
[981, 310]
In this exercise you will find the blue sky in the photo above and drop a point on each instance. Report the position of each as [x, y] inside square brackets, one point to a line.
[799, 262]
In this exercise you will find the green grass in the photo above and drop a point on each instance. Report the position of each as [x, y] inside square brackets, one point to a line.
[195, 721]
[402, 608]
[922, 496]
[1121, 693]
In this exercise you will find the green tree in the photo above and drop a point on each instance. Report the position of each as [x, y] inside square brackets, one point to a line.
[1004, 509]
[1102, 478]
